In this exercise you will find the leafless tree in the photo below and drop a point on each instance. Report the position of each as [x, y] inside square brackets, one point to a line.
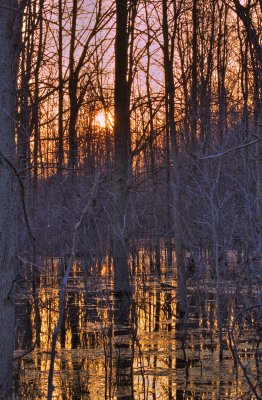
[10, 29]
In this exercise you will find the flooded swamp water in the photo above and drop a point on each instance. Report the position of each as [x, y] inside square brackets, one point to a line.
[110, 349]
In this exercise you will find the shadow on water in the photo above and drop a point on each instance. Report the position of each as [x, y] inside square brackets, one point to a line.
[117, 348]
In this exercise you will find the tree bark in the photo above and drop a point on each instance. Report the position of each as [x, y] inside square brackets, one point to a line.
[122, 152]
[259, 162]
[9, 27]
[194, 85]
[177, 184]
[256, 48]
[35, 113]
[221, 73]
[73, 81]
[60, 92]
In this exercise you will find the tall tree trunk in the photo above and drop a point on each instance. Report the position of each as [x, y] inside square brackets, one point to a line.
[8, 74]
[23, 129]
[122, 151]
[177, 184]
[194, 85]
[259, 161]
[151, 147]
[256, 50]
[35, 113]
[221, 72]
[60, 92]
[206, 77]
[73, 147]
[73, 81]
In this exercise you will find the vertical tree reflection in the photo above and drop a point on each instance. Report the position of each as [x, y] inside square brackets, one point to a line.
[168, 302]
[123, 347]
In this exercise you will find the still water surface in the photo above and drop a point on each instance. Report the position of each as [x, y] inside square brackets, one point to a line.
[112, 349]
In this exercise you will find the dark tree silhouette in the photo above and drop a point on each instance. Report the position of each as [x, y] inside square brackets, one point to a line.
[10, 27]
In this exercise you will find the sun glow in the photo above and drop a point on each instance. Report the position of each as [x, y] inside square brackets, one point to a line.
[104, 120]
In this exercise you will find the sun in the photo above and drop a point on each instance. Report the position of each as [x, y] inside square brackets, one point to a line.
[103, 120]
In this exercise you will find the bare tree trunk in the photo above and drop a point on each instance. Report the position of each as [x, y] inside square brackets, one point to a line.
[122, 153]
[73, 78]
[23, 129]
[259, 163]
[194, 85]
[256, 49]
[151, 148]
[35, 114]
[221, 72]
[177, 205]
[169, 218]
[8, 74]
[60, 92]
[205, 85]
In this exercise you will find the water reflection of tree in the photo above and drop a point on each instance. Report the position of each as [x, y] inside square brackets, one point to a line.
[155, 347]
[123, 348]
[141, 342]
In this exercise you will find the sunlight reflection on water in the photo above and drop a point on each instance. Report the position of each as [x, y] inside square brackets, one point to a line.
[116, 350]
